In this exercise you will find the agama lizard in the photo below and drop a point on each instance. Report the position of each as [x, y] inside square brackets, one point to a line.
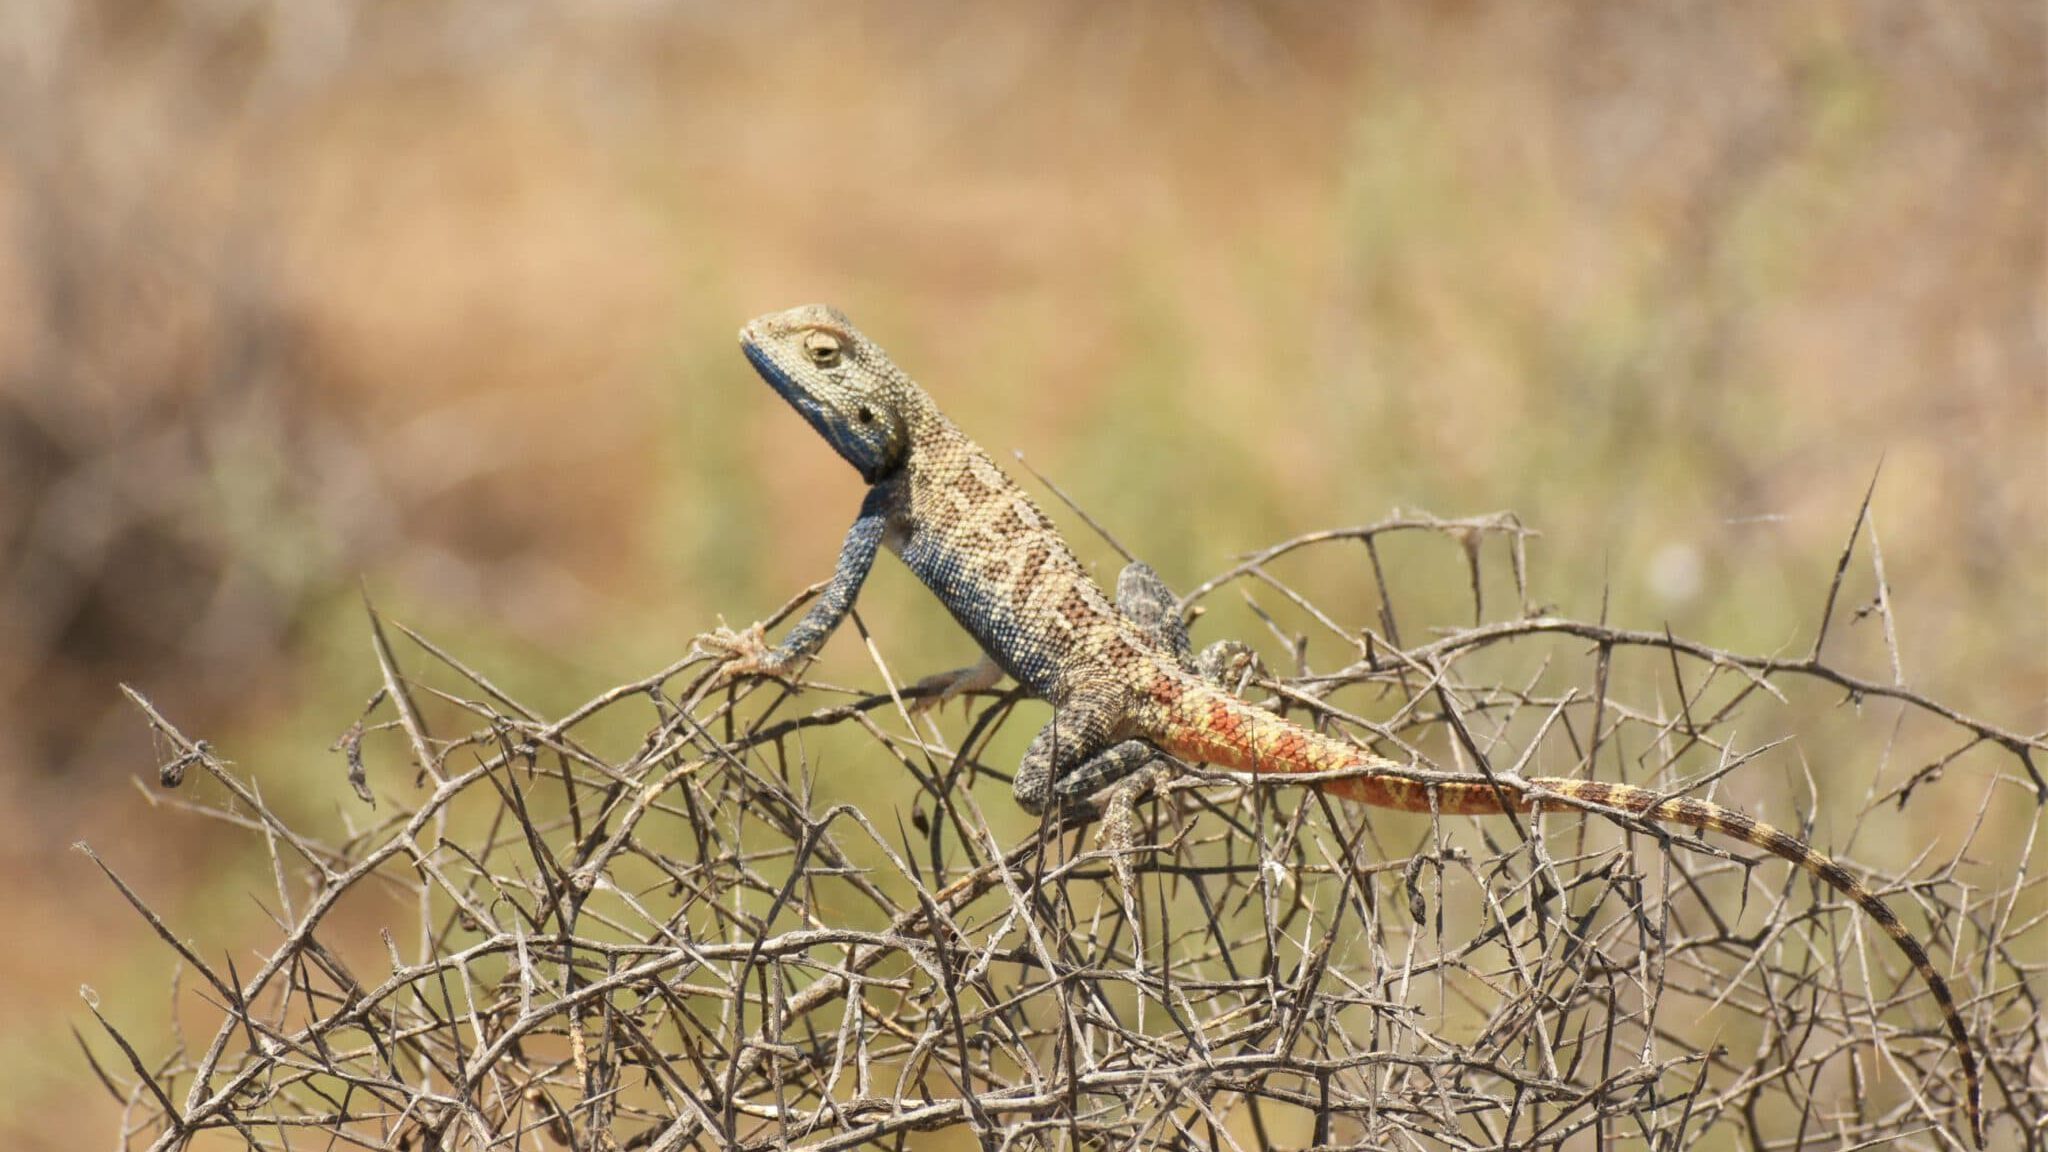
[1119, 677]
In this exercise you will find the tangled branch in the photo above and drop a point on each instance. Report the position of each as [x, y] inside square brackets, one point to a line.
[541, 937]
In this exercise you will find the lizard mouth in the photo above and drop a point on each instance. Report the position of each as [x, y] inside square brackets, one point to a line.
[784, 384]
[815, 412]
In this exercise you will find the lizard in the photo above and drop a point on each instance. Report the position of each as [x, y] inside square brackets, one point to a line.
[1123, 687]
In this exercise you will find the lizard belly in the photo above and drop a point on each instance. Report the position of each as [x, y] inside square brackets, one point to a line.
[986, 607]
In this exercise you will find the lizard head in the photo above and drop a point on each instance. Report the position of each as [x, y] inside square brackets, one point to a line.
[838, 379]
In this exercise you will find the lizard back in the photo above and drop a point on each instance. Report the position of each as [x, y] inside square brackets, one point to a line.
[1001, 567]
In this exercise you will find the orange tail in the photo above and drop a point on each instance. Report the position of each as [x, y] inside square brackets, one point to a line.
[1202, 723]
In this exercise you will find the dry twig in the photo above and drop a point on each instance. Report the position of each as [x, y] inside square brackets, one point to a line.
[696, 943]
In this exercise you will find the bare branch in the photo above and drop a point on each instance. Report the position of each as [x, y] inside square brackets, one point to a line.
[687, 943]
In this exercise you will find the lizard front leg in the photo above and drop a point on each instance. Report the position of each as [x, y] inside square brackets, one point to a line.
[747, 652]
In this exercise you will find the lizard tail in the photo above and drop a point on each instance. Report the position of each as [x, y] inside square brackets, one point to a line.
[1215, 727]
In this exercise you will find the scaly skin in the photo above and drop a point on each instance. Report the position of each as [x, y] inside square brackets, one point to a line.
[1123, 686]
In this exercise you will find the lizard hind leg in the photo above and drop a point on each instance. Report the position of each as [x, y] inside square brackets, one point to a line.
[1078, 755]
[1228, 664]
[1146, 601]
[1079, 752]
[1109, 766]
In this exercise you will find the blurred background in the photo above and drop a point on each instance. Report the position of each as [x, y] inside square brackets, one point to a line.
[438, 299]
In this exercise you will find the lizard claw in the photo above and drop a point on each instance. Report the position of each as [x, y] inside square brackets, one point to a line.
[741, 654]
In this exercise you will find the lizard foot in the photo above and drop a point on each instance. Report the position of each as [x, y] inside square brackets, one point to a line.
[740, 654]
[1118, 835]
[1229, 663]
[933, 691]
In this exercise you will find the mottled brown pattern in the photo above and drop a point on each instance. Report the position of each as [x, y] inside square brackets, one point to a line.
[1121, 693]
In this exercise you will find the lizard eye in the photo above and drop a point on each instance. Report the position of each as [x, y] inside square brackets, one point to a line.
[866, 415]
[823, 348]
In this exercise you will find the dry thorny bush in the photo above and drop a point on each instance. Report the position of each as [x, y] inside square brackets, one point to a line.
[682, 946]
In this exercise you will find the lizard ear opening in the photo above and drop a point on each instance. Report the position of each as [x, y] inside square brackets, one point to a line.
[887, 439]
